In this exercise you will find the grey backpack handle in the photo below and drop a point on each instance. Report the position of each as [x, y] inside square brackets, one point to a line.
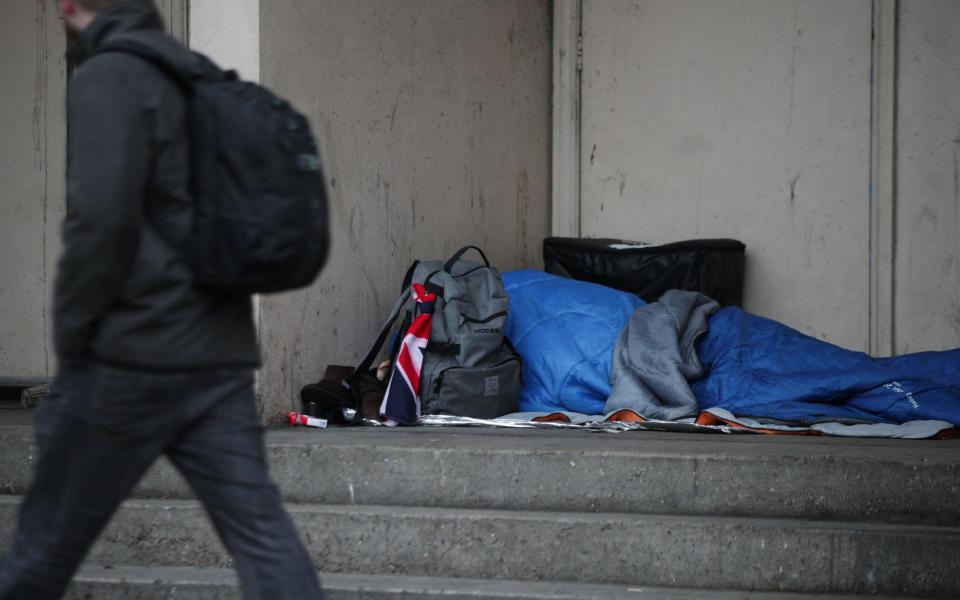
[453, 260]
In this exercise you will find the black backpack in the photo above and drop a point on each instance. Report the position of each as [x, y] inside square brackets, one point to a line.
[260, 222]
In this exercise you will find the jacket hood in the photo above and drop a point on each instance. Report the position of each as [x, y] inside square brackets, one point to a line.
[117, 19]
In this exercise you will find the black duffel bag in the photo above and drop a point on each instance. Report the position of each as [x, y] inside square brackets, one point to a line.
[713, 267]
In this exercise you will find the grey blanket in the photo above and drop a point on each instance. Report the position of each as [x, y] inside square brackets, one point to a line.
[655, 359]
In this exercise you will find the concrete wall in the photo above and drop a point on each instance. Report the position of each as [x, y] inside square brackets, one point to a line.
[927, 250]
[760, 120]
[32, 172]
[228, 31]
[740, 119]
[433, 119]
[32, 166]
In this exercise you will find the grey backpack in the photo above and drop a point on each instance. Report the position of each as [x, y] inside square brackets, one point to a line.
[468, 367]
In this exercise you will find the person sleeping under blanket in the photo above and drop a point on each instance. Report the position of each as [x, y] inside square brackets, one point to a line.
[593, 350]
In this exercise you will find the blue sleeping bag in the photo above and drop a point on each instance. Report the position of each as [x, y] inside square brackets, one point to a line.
[566, 331]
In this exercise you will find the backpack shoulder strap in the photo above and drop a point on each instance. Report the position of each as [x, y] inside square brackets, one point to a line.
[367, 361]
[152, 56]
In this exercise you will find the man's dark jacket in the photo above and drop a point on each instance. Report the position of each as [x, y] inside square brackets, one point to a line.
[122, 293]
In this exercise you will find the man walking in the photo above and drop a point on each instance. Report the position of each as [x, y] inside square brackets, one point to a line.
[149, 364]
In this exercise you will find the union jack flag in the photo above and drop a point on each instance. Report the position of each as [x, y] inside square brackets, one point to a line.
[401, 403]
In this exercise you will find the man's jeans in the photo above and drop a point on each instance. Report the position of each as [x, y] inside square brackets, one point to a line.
[98, 432]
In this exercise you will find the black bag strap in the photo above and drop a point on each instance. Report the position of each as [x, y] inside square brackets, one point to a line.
[430, 286]
[367, 361]
[443, 348]
[453, 259]
[371, 356]
[398, 339]
[511, 347]
[408, 277]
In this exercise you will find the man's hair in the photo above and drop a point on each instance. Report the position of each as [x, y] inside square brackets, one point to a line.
[95, 5]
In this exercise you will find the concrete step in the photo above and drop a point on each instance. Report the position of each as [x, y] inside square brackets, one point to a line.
[654, 550]
[180, 583]
[893, 481]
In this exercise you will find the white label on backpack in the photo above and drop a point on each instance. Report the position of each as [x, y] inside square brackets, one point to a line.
[491, 386]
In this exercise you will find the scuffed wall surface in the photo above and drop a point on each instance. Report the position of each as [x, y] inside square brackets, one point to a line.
[927, 271]
[32, 176]
[747, 119]
[433, 119]
[32, 163]
[228, 31]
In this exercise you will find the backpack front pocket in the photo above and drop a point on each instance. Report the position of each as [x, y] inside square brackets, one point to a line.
[481, 335]
[479, 392]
